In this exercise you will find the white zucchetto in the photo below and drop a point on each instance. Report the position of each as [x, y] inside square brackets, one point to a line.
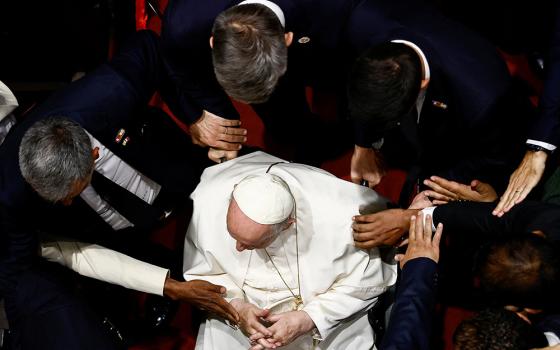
[265, 199]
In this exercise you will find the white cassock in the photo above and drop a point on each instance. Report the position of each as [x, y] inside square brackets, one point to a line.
[339, 282]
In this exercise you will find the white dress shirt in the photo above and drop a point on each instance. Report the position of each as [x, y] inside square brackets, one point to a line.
[99, 262]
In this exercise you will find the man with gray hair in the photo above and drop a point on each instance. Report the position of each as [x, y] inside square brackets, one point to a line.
[94, 164]
[278, 236]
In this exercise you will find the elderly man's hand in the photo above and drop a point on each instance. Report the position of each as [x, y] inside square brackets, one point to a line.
[252, 323]
[381, 229]
[211, 130]
[420, 241]
[367, 164]
[443, 191]
[202, 294]
[287, 327]
[522, 181]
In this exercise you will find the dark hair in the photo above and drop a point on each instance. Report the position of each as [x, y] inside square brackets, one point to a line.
[249, 52]
[497, 329]
[520, 271]
[55, 153]
[383, 85]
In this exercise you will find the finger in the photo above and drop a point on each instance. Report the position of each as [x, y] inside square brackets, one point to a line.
[437, 202]
[419, 230]
[428, 228]
[399, 257]
[368, 244]
[267, 344]
[366, 227]
[274, 318]
[233, 138]
[365, 218]
[438, 196]
[412, 229]
[232, 130]
[226, 122]
[437, 237]
[434, 186]
[451, 186]
[256, 336]
[256, 347]
[523, 194]
[403, 243]
[364, 236]
[227, 146]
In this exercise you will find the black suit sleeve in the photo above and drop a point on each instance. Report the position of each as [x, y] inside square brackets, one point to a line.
[186, 31]
[410, 324]
[476, 219]
[18, 247]
[547, 128]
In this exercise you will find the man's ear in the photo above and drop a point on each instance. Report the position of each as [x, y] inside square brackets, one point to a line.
[424, 84]
[95, 153]
[289, 37]
[211, 41]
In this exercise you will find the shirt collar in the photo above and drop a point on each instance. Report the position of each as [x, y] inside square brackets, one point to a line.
[423, 58]
[272, 6]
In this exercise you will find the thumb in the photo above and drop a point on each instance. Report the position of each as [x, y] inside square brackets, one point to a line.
[274, 318]
[476, 185]
[262, 312]
[399, 257]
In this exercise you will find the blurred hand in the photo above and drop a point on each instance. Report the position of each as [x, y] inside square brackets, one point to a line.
[213, 131]
[202, 294]
[443, 191]
[381, 229]
[286, 327]
[367, 164]
[251, 322]
[421, 201]
[522, 181]
[420, 241]
[220, 156]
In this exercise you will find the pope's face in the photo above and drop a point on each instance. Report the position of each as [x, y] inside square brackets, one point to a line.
[248, 233]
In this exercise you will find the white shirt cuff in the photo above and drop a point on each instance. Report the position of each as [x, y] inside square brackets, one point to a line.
[545, 145]
[430, 211]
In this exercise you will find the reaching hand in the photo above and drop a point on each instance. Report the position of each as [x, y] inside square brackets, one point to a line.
[202, 294]
[211, 130]
[383, 228]
[220, 156]
[420, 241]
[443, 191]
[522, 181]
[286, 327]
[251, 322]
[421, 201]
[367, 164]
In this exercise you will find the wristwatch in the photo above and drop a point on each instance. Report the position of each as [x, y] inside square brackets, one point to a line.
[536, 148]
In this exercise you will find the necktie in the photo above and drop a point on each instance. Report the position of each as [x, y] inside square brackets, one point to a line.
[134, 209]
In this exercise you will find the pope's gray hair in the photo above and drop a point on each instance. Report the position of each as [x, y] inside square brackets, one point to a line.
[54, 154]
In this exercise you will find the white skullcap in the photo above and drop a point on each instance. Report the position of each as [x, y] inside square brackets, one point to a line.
[265, 199]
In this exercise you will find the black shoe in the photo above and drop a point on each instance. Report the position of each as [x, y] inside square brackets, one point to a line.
[159, 311]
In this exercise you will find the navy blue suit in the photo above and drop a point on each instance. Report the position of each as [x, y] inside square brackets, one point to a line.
[547, 128]
[111, 98]
[469, 101]
[410, 325]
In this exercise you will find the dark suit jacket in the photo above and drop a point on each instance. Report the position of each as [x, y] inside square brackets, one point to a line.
[464, 113]
[547, 128]
[186, 31]
[410, 325]
[103, 102]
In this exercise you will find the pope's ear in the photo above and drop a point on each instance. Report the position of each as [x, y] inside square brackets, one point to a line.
[211, 41]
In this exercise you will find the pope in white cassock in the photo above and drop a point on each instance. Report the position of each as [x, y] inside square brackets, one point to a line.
[278, 236]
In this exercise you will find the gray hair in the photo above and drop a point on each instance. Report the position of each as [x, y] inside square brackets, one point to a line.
[249, 52]
[54, 154]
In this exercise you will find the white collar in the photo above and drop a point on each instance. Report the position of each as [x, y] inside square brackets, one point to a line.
[8, 101]
[420, 53]
[275, 8]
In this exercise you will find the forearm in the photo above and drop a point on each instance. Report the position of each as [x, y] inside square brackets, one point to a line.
[107, 265]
